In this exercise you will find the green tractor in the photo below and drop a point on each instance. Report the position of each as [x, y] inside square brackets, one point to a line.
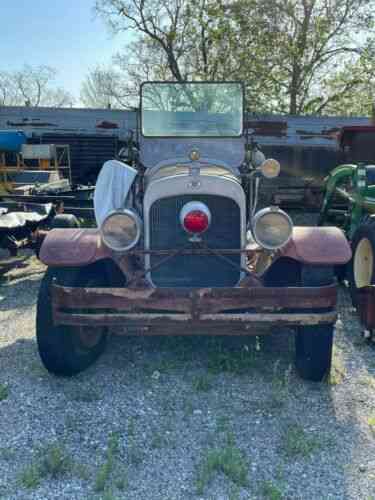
[349, 203]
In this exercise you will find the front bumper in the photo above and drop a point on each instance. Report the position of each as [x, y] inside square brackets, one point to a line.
[184, 311]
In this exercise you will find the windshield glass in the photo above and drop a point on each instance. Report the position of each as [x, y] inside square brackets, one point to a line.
[192, 109]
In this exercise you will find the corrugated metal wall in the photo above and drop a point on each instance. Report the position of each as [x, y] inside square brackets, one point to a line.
[88, 152]
[305, 145]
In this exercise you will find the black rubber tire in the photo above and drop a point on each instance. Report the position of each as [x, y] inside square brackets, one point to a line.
[59, 347]
[314, 343]
[65, 220]
[365, 230]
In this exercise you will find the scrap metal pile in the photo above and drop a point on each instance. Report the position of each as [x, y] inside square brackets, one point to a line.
[35, 185]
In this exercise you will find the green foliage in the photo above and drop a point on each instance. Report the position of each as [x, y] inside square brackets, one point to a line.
[297, 443]
[228, 460]
[297, 57]
[232, 361]
[270, 491]
[107, 467]
[52, 462]
[4, 392]
[31, 477]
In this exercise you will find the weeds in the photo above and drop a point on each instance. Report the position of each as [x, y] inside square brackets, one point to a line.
[228, 460]
[237, 362]
[202, 383]
[107, 467]
[4, 392]
[135, 454]
[297, 443]
[31, 477]
[270, 491]
[52, 462]
[7, 453]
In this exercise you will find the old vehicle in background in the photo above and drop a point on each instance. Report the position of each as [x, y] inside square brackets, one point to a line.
[349, 203]
[181, 248]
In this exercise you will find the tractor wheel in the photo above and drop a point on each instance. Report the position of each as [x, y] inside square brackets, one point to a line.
[314, 343]
[67, 350]
[65, 220]
[361, 269]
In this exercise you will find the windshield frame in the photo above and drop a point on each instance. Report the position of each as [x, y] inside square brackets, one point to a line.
[185, 82]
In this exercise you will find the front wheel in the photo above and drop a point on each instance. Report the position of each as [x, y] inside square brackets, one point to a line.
[314, 343]
[361, 269]
[67, 350]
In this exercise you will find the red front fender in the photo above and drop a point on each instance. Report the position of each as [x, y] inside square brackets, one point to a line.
[80, 247]
[318, 245]
[72, 248]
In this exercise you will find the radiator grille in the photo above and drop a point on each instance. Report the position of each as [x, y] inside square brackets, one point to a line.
[195, 270]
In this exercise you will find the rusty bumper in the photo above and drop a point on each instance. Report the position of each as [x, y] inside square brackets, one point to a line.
[175, 310]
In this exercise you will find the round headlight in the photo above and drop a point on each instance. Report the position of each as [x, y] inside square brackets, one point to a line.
[270, 168]
[272, 228]
[121, 230]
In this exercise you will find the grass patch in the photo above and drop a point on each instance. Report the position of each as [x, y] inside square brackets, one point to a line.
[121, 481]
[270, 491]
[135, 453]
[280, 386]
[31, 477]
[107, 467]
[52, 462]
[297, 443]
[238, 362]
[228, 460]
[202, 383]
[4, 392]
[7, 454]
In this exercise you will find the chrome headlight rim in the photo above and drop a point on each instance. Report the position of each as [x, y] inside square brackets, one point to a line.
[138, 223]
[263, 212]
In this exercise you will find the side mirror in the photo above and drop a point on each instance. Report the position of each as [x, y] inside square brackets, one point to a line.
[270, 168]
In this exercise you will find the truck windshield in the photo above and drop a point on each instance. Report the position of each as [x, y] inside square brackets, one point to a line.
[192, 109]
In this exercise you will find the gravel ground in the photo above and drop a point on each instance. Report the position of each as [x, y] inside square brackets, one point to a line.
[182, 418]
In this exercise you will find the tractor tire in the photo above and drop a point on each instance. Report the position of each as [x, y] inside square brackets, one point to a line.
[361, 268]
[314, 343]
[64, 221]
[66, 350]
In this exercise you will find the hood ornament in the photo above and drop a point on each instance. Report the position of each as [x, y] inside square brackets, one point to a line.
[194, 155]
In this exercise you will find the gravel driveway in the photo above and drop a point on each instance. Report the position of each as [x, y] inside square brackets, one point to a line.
[182, 418]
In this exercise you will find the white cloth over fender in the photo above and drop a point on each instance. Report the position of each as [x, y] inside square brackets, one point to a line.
[112, 188]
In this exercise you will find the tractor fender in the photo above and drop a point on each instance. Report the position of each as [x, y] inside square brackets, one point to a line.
[317, 245]
[73, 247]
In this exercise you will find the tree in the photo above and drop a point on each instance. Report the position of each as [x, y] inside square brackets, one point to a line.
[7, 89]
[303, 43]
[288, 52]
[32, 86]
[360, 78]
[118, 84]
[181, 32]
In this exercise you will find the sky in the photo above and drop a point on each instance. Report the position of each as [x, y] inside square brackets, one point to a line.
[64, 34]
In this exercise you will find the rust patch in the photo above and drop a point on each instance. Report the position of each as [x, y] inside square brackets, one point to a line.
[268, 128]
[34, 122]
[107, 125]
